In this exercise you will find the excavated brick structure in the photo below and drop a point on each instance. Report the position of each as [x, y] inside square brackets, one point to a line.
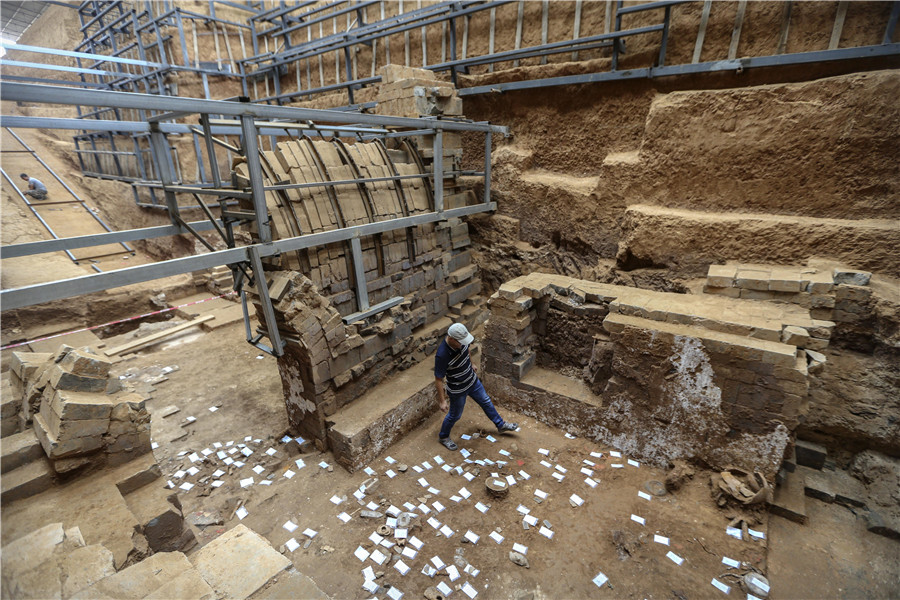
[661, 376]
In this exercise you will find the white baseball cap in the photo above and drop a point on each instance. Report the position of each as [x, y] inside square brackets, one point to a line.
[459, 333]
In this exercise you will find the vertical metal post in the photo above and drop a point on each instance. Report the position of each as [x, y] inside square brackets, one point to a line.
[251, 153]
[180, 24]
[892, 23]
[617, 41]
[438, 169]
[200, 167]
[262, 289]
[164, 168]
[210, 150]
[453, 50]
[359, 275]
[487, 167]
[665, 38]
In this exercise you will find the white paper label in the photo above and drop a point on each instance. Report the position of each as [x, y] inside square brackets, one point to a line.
[637, 519]
[410, 553]
[600, 580]
[547, 533]
[731, 562]
[445, 589]
[481, 508]
[241, 513]
[544, 451]
[344, 517]
[720, 586]
[453, 572]
[661, 540]
[472, 536]
[292, 544]
[402, 567]
[447, 531]
[540, 494]
[576, 499]
[469, 590]
[290, 526]
[361, 554]
[674, 557]
[394, 594]
[497, 537]
[590, 482]
[520, 548]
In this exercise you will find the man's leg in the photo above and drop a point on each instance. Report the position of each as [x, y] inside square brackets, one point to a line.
[457, 403]
[479, 394]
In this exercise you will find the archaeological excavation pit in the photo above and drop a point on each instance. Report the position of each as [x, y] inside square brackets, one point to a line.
[235, 237]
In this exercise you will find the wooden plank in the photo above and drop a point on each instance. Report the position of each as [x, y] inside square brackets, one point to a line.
[736, 32]
[785, 25]
[218, 49]
[577, 28]
[519, 18]
[838, 24]
[387, 40]
[491, 38]
[701, 32]
[607, 18]
[424, 40]
[156, 337]
[405, 38]
[545, 25]
[234, 68]
[194, 38]
[321, 59]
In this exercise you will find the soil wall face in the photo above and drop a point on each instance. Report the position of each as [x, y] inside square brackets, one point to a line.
[579, 158]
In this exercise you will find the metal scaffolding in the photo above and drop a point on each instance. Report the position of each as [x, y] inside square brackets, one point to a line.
[251, 121]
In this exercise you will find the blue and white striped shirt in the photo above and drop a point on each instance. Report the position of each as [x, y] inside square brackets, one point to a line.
[455, 367]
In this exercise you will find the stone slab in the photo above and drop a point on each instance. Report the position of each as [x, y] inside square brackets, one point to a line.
[790, 498]
[189, 585]
[239, 562]
[293, 584]
[85, 566]
[70, 405]
[26, 481]
[139, 579]
[33, 548]
[19, 449]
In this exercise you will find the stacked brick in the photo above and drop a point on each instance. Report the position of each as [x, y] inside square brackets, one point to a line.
[79, 415]
[699, 371]
[838, 297]
[301, 211]
[410, 92]
[328, 364]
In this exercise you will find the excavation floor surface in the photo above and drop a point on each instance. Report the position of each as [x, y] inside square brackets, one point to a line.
[219, 370]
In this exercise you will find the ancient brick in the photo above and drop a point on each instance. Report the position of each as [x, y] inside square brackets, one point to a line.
[61, 379]
[721, 276]
[819, 283]
[821, 301]
[855, 293]
[730, 292]
[80, 362]
[26, 364]
[69, 405]
[59, 449]
[752, 279]
[849, 276]
[795, 336]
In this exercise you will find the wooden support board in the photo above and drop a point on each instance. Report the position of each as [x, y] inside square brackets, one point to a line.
[156, 337]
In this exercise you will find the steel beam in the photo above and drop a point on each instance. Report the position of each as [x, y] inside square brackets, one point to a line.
[24, 92]
[67, 288]
[98, 239]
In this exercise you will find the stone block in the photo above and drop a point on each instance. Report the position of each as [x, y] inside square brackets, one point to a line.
[520, 367]
[139, 579]
[144, 475]
[821, 300]
[785, 281]
[790, 498]
[721, 276]
[76, 406]
[81, 362]
[60, 379]
[24, 482]
[31, 549]
[239, 563]
[821, 329]
[756, 294]
[85, 566]
[19, 449]
[188, 584]
[26, 364]
[795, 336]
[54, 448]
[752, 279]
[855, 293]
[63, 429]
[851, 277]
[129, 407]
[810, 454]
[819, 282]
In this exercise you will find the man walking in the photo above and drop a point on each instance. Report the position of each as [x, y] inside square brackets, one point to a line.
[36, 189]
[452, 361]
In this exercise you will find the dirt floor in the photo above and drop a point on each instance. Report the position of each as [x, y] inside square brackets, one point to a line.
[198, 371]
